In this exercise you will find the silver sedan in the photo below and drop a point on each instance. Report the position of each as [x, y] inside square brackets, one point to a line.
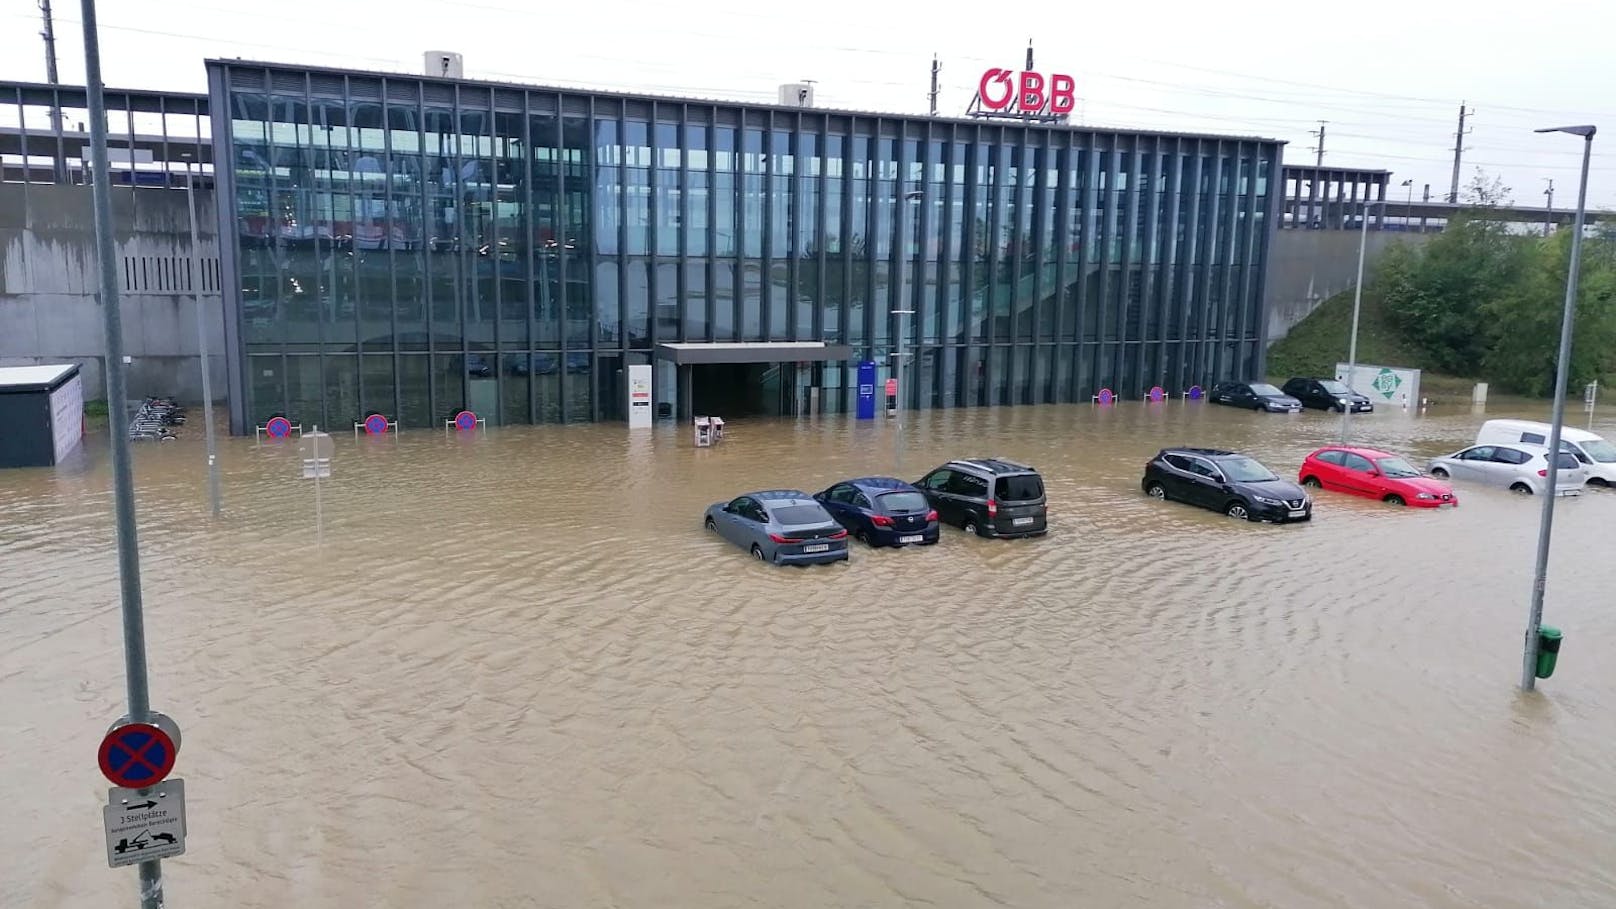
[1519, 468]
[782, 526]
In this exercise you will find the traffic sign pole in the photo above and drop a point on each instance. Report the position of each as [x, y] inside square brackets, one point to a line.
[123, 485]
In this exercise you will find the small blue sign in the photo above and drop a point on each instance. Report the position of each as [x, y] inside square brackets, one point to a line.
[866, 390]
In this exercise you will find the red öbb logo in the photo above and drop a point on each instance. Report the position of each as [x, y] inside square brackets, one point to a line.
[1007, 91]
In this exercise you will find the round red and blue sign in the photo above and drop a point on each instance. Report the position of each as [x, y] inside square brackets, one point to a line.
[375, 425]
[1156, 393]
[465, 421]
[137, 755]
[278, 427]
[1106, 396]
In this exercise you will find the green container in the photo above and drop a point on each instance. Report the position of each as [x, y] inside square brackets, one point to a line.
[1548, 650]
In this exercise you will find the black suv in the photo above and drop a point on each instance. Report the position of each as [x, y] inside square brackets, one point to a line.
[1327, 394]
[1225, 481]
[990, 497]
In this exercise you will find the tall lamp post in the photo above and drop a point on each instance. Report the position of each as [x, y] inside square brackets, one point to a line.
[1561, 375]
[202, 336]
[906, 231]
[1357, 307]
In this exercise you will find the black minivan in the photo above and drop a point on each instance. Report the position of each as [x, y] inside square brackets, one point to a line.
[990, 497]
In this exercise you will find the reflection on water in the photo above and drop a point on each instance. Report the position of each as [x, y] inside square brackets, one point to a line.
[517, 673]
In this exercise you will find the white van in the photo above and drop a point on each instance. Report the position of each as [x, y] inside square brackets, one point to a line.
[1596, 454]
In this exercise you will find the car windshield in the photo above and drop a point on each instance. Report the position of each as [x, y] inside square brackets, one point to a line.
[1245, 470]
[1019, 488]
[1600, 450]
[1397, 468]
[1261, 389]
[1335, 388]
[901, 502]
[799, 514]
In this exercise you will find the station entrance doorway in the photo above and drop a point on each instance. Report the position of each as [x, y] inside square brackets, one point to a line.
[731, 380]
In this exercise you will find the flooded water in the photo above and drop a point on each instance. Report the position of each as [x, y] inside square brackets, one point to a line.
[517, 673]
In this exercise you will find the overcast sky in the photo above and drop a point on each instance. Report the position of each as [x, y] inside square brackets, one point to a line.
[1388, 76]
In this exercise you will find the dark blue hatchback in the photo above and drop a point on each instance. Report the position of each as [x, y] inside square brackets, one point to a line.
[881, 511]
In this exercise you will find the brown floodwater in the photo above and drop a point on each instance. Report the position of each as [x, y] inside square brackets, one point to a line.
[517, 673]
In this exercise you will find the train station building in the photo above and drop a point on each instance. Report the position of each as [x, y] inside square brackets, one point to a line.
[417, 245]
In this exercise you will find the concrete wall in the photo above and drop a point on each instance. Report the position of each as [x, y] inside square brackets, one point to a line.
[1307, 267]
[49, 287]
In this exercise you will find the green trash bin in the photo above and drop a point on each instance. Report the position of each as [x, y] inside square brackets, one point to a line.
[1548, 650]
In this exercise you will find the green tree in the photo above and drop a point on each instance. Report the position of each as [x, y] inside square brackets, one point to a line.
[1435, 293]
[1525, 318]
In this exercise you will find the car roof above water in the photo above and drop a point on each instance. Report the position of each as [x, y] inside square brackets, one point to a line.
[995, 466]
[1203, 452]
[779, 495]
[889, 483]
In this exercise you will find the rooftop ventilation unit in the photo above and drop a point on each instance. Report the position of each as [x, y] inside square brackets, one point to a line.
[797, 94]
[445, 64]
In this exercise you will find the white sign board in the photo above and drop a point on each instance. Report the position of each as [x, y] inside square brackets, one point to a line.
[145, 827]
[67, 416]
[1386, 386]
[316, 448]
[639, 396]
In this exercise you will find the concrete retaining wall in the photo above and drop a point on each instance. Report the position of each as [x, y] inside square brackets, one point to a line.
[49, 286]
[1307, 267]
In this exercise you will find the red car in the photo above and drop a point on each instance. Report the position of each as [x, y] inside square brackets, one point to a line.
[1375, 475]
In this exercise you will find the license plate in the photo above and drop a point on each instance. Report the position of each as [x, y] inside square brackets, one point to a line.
[1298, 512]
[1446, 505]
[910, 539]
[816, 547]
[1019, 522]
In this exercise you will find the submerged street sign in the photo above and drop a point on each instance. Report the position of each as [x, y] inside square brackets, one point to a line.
[143, 827]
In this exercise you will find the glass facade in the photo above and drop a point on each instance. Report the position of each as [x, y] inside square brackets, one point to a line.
[415, 246]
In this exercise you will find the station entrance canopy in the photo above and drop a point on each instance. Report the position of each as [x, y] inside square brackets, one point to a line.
[706, 353]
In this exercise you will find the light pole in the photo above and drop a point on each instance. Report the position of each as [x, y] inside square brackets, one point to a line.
[1357, 307]
[1561, 375]
[202, 338]
[905, 232]
[1408, 204]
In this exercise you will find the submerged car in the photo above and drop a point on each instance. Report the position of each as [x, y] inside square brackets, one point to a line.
[1226, 481]
[1518, 468]
[989, 497]
[882, 511]
[782, 526]
[1374, 474]
[1328, 394]
[1254, 396]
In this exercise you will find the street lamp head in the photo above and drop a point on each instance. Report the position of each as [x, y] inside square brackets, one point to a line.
[1407, 183]
[1586, 131]
[913, 195]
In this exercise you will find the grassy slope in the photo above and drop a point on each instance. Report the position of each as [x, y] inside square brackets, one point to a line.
[1320, 341]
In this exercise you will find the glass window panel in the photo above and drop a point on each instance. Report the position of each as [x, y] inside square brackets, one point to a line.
[637, 189]
[696, 201]
[669, 213]
[723, 294]
[696, 156]
[637, 303]
[724, 221]
[376, 371]
[608, 315]
[667, 299]
[695, 300]
[266, 388]
[780, 302]
[342, 390]
[577, 387]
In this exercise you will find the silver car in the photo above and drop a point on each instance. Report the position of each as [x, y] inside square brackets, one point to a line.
[1519, 468]
[782, 526]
